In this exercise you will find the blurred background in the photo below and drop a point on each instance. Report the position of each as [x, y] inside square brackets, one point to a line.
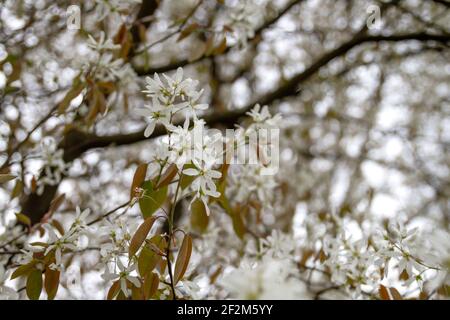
[363, 88]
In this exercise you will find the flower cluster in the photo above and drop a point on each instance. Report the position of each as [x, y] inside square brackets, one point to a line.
[50, 254]
[351, 262]
[102, 64]
[367, 261]
[244, 17]
[168, 98]
[54, 166]
[190, 149]
[117, 236]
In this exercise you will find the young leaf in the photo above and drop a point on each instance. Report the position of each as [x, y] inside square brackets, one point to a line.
[51, 282]
[34, 284]
[97, 105]
[183, 258]
[58, 226]
[152, 199]
[138, 178]
[55, 204]
[114, 290]
[187, 31]
[199, 218]
[167, 176]
[384, 294]
[33, 184]
[221, 47]
[238, 221]
[140, 235]
[395, 294]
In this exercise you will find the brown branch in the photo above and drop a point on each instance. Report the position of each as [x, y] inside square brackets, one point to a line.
[443, 2]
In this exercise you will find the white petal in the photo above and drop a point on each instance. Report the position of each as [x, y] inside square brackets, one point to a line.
[191, 172]
[214, 174]
[149, 130]
[179, 75]
[134, 281]
[123, 286]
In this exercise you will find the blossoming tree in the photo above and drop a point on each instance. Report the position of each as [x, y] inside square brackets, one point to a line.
[122, 179]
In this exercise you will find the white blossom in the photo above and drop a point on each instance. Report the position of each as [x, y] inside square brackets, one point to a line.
[123, 275]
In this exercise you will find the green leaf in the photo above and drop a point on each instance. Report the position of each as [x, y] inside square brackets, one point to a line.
[17, 190]
[199, 218]
[140, 235]
[22, 270]
[149, 258]
[34, 284]
[152, 199]
[6, 177]
[183, 258]
[23, 219]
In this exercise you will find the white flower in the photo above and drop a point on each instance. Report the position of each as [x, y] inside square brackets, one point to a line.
[60, 244]
[180, 140]
[174, 93]
[105, 8]
[155, 87]
[102, 43]
[203, 184]
[204, 174]
[194, 106]
[107, 68]
[248, 182]
[262, 118]
[118, 234]
[123, 276]
[244, 17]
[54, 166]
[80, 221]
[156, 113]
[278, 244]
